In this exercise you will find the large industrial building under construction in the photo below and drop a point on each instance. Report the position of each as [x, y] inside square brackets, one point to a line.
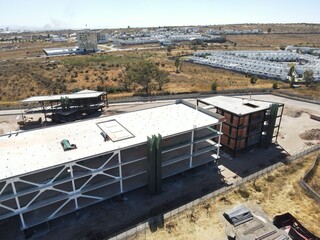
[47, 173]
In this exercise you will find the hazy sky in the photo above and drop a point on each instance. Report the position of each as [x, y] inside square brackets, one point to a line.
[60, 14]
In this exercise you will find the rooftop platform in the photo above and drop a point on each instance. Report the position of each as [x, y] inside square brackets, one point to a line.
[31, 151]
[78, 95]
[236, 105]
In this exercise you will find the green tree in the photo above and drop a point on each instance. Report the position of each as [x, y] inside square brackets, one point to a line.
[275, 85]
[177, 63]
[253, 79]
[269, 30]
[144, 73]
[308, 77]
[169, 48]
[292, 80]
[214, 86]
[291, 71]
[194, 47]
[161, 77]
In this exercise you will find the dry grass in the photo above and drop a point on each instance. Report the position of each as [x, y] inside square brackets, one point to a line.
[314, 181]
[276, 193]
[29, 49]
[275, 40]
[311, 91]
[21, 77]
[276, 28]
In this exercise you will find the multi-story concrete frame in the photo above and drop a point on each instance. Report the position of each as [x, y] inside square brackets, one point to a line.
[87, 41]
[40, 181]
[247, 122]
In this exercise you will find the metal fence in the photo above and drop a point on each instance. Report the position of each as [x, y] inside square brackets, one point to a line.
[302, 153]
[308, 176]
[294, 96]
[142, 228]
[252, 91]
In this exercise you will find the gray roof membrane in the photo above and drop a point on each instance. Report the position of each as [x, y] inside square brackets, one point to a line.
[238, 215]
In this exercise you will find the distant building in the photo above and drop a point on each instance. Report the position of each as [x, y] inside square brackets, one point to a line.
[87, 41]
[59, 39]
[61, 51]
[103, 38]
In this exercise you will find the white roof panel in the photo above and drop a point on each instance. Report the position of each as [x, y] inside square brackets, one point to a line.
[78, 95]
[114, 130]
[237, 105]
[39, 149]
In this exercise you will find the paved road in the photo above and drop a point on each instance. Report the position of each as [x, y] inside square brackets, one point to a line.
[10, 112]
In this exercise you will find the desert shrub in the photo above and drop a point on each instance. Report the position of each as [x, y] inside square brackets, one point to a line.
[112, 89]
[100, 88]
[243, 191]
[214, 86]
[275, 85]
[256, 187]
[270, 178]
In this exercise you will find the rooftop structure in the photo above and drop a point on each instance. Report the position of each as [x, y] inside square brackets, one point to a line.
[252, 226]
[67, 107]
[50, 172]
[248, 122]
[236, 105]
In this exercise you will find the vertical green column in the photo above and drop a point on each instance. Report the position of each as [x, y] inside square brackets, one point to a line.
[271, 123]
[158, 147]
[154, 163]
[151, 165]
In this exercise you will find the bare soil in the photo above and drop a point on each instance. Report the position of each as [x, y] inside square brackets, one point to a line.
[312, 134]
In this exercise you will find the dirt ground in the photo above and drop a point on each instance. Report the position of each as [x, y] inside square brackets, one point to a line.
[313, 134]
[276, 193]
[295, 121]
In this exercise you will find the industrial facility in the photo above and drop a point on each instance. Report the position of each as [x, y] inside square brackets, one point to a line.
[247, 123]
[86, 40]
[47, 173]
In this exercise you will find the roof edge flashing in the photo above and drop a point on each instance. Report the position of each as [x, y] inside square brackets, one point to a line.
[205, 111]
